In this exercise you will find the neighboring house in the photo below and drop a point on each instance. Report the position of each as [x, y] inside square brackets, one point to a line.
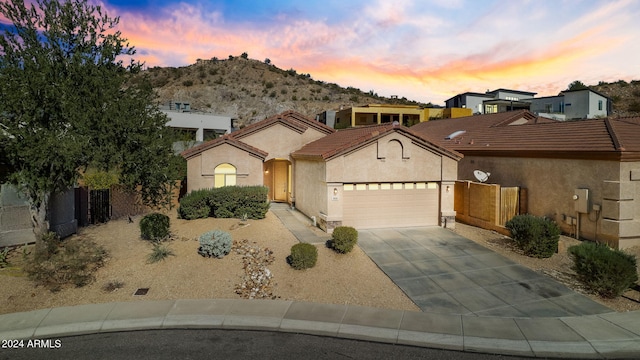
[199, 126]
[573, 104]
[554, 161]
[372, 114]
[499, 100]
[327, 117]
[365, 177]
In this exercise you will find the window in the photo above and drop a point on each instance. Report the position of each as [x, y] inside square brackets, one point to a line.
[225, 175]
[599, 104]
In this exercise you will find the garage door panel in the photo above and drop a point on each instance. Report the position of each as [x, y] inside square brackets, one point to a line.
[391, 208]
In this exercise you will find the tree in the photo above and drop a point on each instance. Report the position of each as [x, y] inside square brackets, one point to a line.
[69, 102]
[577, 85]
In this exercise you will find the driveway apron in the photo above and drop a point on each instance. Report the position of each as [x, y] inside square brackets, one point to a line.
[446, 273]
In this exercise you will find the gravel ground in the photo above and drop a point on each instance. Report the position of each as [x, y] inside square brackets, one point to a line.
[337, 278]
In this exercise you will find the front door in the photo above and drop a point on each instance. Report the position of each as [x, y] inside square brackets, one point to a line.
[280, 180]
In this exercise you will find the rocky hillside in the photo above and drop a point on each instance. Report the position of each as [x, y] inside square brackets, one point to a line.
[251, 90]
[625, 96]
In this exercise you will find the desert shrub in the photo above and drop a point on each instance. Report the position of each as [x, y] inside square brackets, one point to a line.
[195, 205]
[154, 226]
[73, 262]
[535, 236]
[112, 286]
[187, 83]
[303, 256]
[608, 272]
[343, 239]
[216, 243]
[158, 253]
[4, 257]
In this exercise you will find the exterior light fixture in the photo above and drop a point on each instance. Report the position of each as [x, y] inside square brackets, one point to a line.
[335, 191]
[447, 188]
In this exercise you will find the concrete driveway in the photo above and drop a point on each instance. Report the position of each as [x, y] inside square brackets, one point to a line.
[446, 273]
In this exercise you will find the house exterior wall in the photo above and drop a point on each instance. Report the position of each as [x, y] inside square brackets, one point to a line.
[621, 206]
[200, 169]
[547, 105]
[584, 105]
[510, 95]
[310, 193]
[391, 159]
[280, 141]
[474, 103]
[551, 184]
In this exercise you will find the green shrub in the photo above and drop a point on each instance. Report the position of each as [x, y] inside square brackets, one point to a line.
[195, 205]
[154, 226]
[606, 271]
[216, 243]
[225, 202]
[236, 201]
[303, 256]
[536, 236]
[159, 252]
[343, 239]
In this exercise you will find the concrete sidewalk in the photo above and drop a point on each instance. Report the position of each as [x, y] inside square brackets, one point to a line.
[613, 335]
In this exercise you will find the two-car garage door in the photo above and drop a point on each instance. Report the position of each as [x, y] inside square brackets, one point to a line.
[370, 206]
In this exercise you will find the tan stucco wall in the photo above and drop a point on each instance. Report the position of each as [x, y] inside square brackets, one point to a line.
[280, 141]
[200, 169]
[392, 158]
[386, 160]
[310, 190]
[550, 185]
[621, 206]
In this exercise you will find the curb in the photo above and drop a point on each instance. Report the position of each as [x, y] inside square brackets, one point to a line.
[612, 335]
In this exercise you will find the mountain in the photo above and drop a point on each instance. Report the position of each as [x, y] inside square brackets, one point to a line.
[625, 96]
[251, 90]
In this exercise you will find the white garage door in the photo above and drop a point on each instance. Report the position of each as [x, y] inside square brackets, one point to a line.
[370, 206]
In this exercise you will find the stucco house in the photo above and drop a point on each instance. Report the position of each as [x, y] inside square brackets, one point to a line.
[583, 174]
[498, 100]
[366, 177]
[572, 104]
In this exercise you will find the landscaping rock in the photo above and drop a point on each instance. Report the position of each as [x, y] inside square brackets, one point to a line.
[256, 282]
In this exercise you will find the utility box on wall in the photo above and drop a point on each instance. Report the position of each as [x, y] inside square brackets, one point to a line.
[581, 200]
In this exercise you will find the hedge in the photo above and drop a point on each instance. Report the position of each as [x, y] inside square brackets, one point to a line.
[225, 202]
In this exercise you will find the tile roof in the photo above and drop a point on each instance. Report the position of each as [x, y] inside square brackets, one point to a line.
[349, 139]
[496, 135]
[291, 119]
[225, 139]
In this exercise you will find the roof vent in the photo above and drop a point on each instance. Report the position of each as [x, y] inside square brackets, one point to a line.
[454, 134]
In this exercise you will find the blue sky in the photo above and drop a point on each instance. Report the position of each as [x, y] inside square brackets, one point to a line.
[424, 50]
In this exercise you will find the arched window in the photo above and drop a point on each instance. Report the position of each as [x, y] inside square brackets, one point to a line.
[225, 175]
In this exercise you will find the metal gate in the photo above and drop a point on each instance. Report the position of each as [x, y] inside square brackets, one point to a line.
[99, 206]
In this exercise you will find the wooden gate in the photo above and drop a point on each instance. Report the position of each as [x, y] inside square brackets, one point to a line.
[509, 203]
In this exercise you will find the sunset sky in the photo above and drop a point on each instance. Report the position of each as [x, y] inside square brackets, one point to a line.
[424, 50]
